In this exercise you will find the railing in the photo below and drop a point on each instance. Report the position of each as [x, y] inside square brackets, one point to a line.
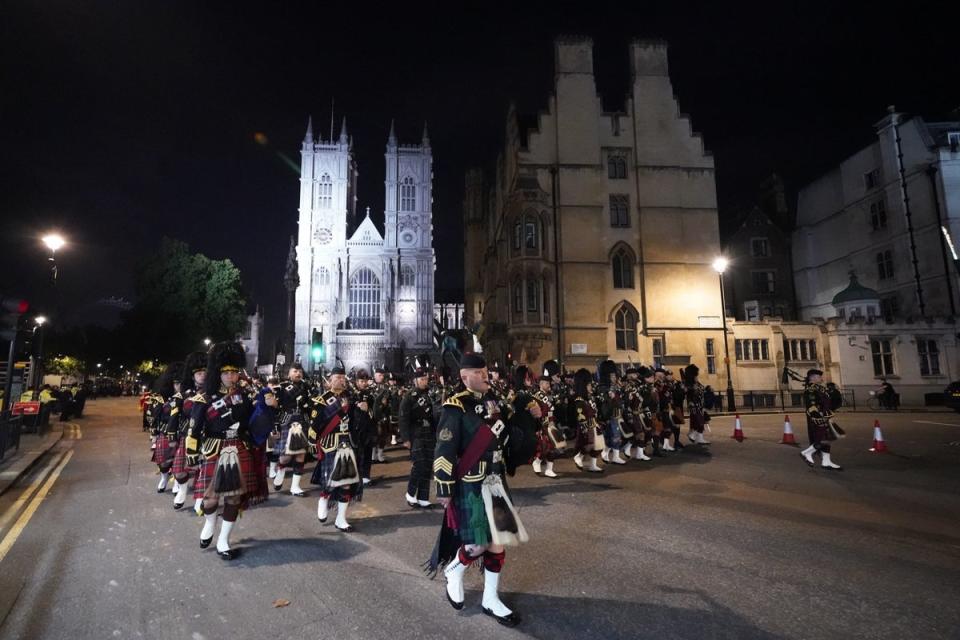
[9, 434]
[773, 400]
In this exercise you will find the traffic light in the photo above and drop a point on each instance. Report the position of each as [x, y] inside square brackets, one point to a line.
[316, 347]
[11, 309]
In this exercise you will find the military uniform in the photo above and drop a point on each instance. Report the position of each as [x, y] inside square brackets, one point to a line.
[418, 426]
[820, 430]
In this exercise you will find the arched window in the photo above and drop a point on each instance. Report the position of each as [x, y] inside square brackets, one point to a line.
[533, 295]
[622, 264]
[408, 195]
[517, 234]
[408, 282]
[325, 191]
[530, 234]
[625, 325]
[364, 300]
[616, 167]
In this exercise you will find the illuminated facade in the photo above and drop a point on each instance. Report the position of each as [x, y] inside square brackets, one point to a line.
[368, 292]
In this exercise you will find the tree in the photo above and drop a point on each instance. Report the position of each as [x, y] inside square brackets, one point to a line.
[65, 366]
[182, 298]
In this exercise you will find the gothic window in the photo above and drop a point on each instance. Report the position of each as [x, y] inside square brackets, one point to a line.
[408, 195]
[625, 325]
[518, 297]
[622, 264]
[885, 264]
[364, 300]
[408, 281]
[325, 191]
[533, 295]
[530, 233]
[517, 234]
[616, 167]
[619, 210]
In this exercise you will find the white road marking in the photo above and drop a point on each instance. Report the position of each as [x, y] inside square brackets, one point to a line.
[945, 424]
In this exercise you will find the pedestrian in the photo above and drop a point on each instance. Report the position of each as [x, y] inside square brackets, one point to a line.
[819, 414]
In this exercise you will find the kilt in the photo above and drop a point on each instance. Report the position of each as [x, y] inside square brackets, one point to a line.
[251, 471]
[613, 437]
[697, 421]
[164, 450]
[589, 439]
[280, 446]
[180, 460]
[323, 470]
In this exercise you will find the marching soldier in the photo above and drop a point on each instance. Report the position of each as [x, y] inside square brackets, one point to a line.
[290, 448]
[418, 430]
[694, 395]
[480, 520]
[165, 440]
[219, 435]
[589, 431]
[816, 399]
[334, 432]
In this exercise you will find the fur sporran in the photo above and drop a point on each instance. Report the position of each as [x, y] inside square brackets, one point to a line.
[505, 525]
[228, 477]
[296, 440]
[344, 468]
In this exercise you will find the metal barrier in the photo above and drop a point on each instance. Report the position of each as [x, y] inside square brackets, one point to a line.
[9, 434]
[774, 400]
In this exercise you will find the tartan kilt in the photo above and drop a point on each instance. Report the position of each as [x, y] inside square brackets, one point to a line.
[280, 447]
[180, 460]
[697, 421]
[248, 469]
[323, 471]
[164, 450]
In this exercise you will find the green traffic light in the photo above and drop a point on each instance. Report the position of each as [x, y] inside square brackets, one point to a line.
[317, 353]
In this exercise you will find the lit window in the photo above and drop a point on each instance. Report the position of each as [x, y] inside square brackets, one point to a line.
[325, 191]
[408, 195]
[364, 300]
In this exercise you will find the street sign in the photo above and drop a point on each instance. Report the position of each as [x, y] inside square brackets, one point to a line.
[26, 408]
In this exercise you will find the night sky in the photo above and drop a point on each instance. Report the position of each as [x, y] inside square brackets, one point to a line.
[126, 121]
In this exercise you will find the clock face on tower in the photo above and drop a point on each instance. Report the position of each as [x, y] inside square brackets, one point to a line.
[323, 235]
[406, 238]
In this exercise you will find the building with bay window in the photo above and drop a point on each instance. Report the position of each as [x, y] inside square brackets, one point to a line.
[595, 234]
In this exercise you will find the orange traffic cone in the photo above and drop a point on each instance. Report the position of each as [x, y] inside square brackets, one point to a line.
[878, 444]
[788, 432]
[738, 430]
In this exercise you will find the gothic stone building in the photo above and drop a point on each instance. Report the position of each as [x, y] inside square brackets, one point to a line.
[369, 293]
[616, 211]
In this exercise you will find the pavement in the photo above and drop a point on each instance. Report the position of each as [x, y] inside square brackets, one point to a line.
[730, 540]
[18, 462]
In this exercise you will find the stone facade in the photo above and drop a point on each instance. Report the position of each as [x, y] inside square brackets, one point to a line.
[367, 292]
[854, 218]
[615, 210]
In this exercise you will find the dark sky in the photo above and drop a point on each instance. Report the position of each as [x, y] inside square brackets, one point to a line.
[129, 120]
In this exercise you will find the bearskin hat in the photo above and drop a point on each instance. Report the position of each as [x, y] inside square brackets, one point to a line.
[195, 361]
[164, 384]
[690, 373]
[605, 369]
[645, 372]
[339, 368]
[295, 365]
[551, 368]
[421, 366]
[224, 356]
[520, 375]
[580, 381]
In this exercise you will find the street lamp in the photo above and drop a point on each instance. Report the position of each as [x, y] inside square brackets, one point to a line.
[38, 369]
[54, 241]
[720, 265]
[206, 342]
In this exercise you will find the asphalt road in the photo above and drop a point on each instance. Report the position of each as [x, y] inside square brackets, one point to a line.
[734, 540]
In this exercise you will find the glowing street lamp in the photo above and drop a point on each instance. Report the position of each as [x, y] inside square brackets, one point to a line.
[40, 320]
[206, 342]
[720, 265]
[54, 241]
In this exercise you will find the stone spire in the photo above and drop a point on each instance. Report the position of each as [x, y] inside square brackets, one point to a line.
[344, 139]
[291, 277]
[392, 138]
[308, 137]
[426, 136]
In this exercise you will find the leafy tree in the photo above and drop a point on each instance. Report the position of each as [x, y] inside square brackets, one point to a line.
[150, 368]
[65, 366]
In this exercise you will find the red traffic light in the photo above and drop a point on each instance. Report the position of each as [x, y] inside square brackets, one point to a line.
[13, 305]
[23, 306]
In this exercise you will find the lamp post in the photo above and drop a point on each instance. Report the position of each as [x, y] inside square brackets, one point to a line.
[54, 241]
[38, 369]
[206, 342]
[720, 265]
